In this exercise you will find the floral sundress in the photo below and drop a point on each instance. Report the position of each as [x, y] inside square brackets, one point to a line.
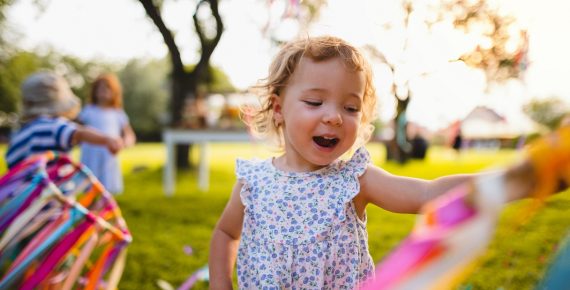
[300, 229]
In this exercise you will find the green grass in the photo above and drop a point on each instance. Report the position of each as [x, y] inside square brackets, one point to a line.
[161, 226]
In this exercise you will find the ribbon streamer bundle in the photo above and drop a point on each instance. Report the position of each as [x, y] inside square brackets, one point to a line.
[59, 227]
[454, 229]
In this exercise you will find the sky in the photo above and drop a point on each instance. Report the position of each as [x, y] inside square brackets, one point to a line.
[117, 30]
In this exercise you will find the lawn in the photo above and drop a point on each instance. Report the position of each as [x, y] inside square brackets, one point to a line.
[163, 227]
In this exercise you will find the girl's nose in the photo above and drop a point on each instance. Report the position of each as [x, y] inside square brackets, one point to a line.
[332, 118]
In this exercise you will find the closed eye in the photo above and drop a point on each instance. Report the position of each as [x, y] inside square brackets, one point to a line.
[352, 109]
[313, 103]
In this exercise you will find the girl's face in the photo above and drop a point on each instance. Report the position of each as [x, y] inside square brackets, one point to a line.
[320, 111]
[104, 95]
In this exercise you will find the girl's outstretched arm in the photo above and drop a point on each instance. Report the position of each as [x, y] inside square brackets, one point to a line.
[225, 242]
[399, 193]
[89, 135]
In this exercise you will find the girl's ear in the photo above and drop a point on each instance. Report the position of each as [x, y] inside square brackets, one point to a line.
[276, 101]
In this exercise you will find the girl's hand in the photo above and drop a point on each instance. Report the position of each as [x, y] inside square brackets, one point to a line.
[549, 157]
[129, 141]
[520, 181]
[114, 145]
[129, 137]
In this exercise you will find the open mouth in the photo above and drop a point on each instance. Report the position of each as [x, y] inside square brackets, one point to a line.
[325, 141]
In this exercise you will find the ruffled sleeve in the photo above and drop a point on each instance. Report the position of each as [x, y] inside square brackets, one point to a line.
[358, 163]
[246, 172]
[350, 171]
[244, 169]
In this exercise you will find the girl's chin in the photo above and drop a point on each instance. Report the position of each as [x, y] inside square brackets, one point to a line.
[326, 155]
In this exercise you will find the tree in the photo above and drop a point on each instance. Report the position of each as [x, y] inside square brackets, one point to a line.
[547, 112]
[217, 81]
[301, 13]
[145, 93]
[184, 83]
[491, 54]
[186, 80]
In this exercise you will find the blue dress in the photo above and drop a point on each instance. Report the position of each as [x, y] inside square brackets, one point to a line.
[300, 229]
[104, 165]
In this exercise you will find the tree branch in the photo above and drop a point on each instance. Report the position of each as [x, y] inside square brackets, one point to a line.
[153, 12]
[208, 45]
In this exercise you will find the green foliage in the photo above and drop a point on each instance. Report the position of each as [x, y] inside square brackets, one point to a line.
[145, 84]
[547, 112]
[13, 70]
[161, 226]
[78, 72]
[3, 6]
[145, 94]
[220, 82]
[215, 81]
[15, 67]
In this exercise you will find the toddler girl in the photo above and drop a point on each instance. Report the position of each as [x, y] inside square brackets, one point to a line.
[105, 114]
[298, 221]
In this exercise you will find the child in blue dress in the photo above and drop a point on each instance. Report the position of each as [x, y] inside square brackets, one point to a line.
[105, 114]
[298, 221]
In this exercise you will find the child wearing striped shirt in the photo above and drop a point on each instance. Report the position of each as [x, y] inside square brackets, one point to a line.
[49, 105]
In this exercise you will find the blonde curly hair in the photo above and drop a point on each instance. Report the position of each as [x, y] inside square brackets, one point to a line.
[260, 119]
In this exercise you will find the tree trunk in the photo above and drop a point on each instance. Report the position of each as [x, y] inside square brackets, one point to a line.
[184, 84]
[184, 87]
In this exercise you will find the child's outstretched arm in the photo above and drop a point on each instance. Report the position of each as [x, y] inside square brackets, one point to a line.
[399, 193]
[225, 242]
[543, 170]
[85, 134]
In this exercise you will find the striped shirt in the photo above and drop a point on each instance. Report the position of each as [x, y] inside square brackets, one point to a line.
[40, 135]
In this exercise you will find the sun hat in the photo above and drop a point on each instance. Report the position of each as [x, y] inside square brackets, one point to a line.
[46, 93]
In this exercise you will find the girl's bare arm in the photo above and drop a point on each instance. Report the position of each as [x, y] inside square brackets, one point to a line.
[88, 135]
[225, 242]
[399, 193]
